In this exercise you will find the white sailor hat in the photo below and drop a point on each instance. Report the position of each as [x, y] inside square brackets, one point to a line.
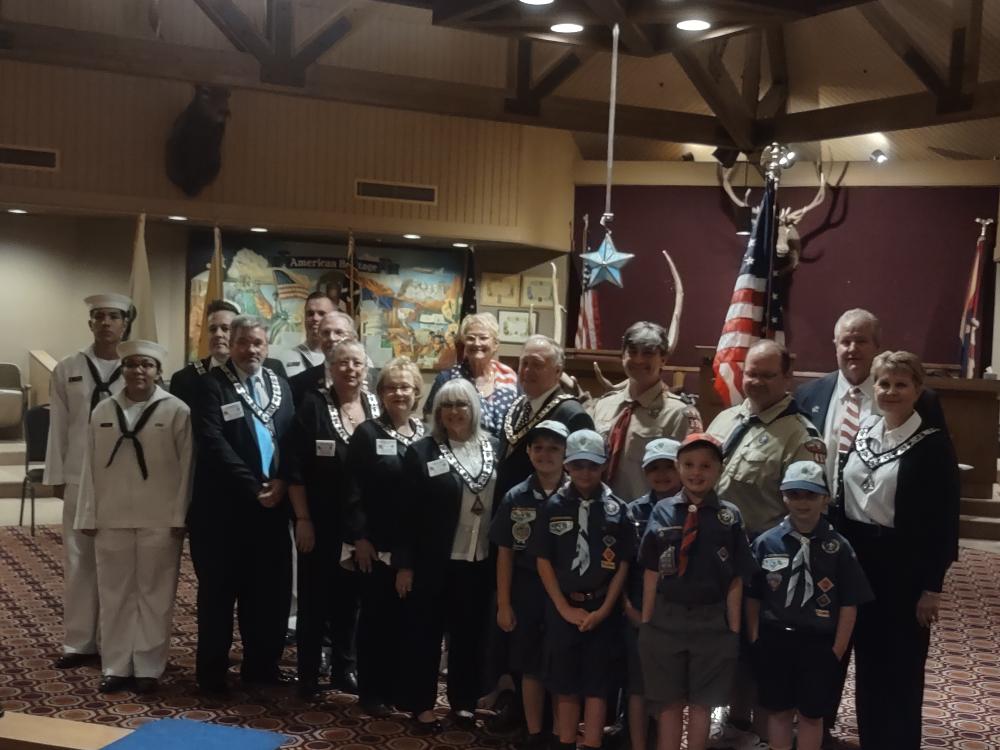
[113, 301]
[143, 349]
[660, 449]
[585, 445]
[805, 475]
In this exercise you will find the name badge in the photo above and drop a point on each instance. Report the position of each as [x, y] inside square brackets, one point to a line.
[232, 411]
[326, 447]
[436, 467]
[76, 379]
[386, 447]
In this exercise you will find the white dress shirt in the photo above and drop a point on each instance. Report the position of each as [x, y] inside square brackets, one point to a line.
[834, 416]
[538, 403]
[472, 542]
[876, 505]
[259, 389]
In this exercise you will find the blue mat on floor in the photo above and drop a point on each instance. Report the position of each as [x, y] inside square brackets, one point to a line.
[178, 734]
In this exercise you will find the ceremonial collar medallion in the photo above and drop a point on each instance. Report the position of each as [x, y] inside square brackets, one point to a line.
[416, 424]
[874, 460]
[264, 415]
[334, 411]
[514, 437]
[475, 484]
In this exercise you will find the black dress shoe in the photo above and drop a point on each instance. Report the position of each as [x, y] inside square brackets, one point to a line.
[463, 720]
[213, 688]
[277, 677]
[424, 728]
[114, 684]
[375, 709]
[345, 682]
[309, 688]
[146, 685]
[69, 661]
[509, 715]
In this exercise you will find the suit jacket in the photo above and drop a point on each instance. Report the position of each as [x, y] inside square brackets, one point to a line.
[184, 382]
[515, 466]
[814, 397]
[429, 516]
[228, 474]
[307, 380]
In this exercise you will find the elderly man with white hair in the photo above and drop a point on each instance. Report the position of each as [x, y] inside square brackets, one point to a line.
[134, 495]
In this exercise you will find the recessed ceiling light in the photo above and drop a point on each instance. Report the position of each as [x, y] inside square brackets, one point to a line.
[538, 2]
[16, 211]
[178, 218]
[411, 236]
[260, 230]
[459, 244]
[567, 28]
[694, 24]
[878, 156]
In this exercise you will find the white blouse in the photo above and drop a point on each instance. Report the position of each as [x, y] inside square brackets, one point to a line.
[472, 542]
[874, 500]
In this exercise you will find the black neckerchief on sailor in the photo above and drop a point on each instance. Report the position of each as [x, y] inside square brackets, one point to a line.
[382, 422]
[266, 416]
[133, 434]
[368, 402]
[748, 421]
[873, 460]
[100, 386]
[514, 436]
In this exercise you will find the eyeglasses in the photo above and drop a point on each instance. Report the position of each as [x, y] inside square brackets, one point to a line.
[458, 405]
[145, 364]
[401, 388]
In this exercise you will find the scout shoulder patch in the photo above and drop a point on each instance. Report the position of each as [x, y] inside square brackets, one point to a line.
[825, 585]
[522, 515]
[521, 532]
[831, 546]
[726, 517]
[693, 418]
[774, 562]
[560, 526]
[817, 448]
[611, 507]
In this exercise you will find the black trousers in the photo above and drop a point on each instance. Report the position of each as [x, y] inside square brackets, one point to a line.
[328, 601]
[890, 647]
[249, 568]
[457, 606]
[379, 635]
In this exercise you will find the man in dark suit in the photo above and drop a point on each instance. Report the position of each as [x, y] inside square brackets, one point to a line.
[184, 382]
[837, 403]
[238, 519]
[539, 370]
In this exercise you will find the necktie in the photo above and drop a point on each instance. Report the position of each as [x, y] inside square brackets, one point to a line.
[733, 441]
[264, 441]
[800, 569]
[850, 422]
[101, 388]
[688, 537]
[133, 435]
[582, 560]
[616, 438]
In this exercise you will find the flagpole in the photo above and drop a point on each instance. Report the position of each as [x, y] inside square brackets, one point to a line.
[775, 157]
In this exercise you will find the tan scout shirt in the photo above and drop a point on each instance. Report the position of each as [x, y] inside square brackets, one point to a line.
[753, 470]
[659, 413]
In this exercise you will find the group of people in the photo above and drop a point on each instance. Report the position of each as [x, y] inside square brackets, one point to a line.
[573, 547]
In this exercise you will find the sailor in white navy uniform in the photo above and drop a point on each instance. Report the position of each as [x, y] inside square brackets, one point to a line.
[310, 352]
[134, 494]
[78, 384]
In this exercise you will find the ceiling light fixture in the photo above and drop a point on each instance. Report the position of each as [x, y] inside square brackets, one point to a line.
[178, 218]
[459, 244]
[411, 236]
[878, 156]
[259, 230]
[538, 2]
[16, 211]
[694, 24]
[567, 28]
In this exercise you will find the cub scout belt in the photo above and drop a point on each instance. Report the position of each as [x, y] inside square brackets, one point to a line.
[588, 596]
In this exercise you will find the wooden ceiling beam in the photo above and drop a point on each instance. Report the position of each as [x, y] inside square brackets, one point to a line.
[236, 27]
[451, 12]
[635, 39]
[323, 40]
[527, 96]
[883, 115]
[753, 46]
[703, 66]
[905, 47]
[966, 37]
[775, 100]
[154, 59]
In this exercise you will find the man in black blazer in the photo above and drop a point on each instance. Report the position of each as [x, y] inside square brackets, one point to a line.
[238, 519]
[539, 370]
[184, 382]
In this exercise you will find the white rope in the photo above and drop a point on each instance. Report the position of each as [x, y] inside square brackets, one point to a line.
[612, 98]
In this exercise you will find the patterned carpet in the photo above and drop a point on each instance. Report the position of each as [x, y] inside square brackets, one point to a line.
[962, 701]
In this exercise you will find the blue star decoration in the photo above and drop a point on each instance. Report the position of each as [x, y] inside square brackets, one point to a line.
[605, 264]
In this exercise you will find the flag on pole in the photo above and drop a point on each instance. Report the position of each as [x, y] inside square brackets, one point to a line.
[470, 305]
[756, 309]
[141, 287]
[588, 319]
[967, 330]
[213, 291]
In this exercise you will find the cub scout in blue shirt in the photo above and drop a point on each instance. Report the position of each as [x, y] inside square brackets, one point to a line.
[696, 557]
[801, 610]
[583, 548]
[664, 481]
[521, 597]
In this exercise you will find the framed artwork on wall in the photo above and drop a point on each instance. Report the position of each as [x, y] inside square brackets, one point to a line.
[500, 290]
[536, 291]
[516, 325]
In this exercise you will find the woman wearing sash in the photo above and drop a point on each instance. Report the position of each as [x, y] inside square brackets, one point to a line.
[326, 418]
[444, 573]
[134, 493]
[901, 499]
[375, 456]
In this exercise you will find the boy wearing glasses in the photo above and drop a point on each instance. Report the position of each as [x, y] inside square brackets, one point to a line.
[134, 493]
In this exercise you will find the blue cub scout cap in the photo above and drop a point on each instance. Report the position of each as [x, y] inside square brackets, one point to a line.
[805, 475]
[585, 445]
[660, 449]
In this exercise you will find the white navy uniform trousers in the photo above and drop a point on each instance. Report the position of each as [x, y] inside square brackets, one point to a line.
[138, 556]
[70, 391]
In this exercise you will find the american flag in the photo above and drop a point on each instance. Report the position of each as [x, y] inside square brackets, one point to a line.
[588, 322]
[967, 331]
[289, 288]
[470, 305]
[757, 307]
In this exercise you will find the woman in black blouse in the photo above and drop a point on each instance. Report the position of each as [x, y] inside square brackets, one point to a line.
[326, 417]
[443, 560]
[374, 530]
